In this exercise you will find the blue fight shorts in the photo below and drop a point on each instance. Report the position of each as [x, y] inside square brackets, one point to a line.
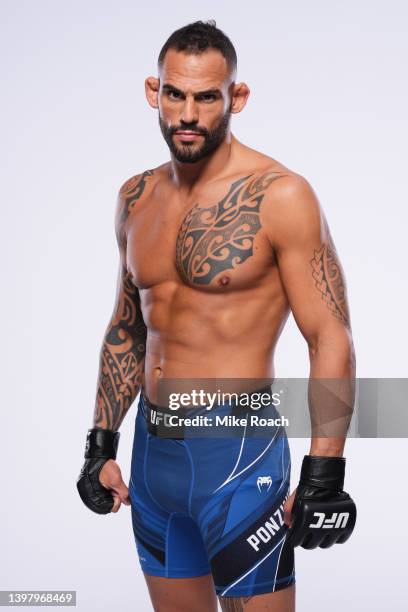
[212, 504]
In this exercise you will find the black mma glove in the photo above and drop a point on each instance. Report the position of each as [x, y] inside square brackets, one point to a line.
[101, 445]
[322, 513]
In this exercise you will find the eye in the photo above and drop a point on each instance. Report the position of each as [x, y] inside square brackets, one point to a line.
[175, 95]
[208, 97]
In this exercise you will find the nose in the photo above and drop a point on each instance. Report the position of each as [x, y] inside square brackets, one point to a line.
[190, 112]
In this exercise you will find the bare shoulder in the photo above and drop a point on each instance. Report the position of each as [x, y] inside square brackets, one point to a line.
[135, 188]
[286, 191]
[269, 173]
[130, 196]
[282, 186]
[290, 208]
[292, 192]
[136, 185]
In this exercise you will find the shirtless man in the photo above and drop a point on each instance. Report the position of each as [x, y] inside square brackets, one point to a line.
[217, 246]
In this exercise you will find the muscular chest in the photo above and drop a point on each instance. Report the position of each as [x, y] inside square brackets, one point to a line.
[208, 245]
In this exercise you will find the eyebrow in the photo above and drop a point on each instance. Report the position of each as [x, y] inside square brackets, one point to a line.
[214, 90]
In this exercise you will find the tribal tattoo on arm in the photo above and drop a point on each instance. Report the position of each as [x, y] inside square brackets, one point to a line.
[329, 281]
[132, 191]
[121, 362]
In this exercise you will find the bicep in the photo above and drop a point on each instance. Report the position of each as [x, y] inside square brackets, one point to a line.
[314, 282]
[127, 311]
[309, 266]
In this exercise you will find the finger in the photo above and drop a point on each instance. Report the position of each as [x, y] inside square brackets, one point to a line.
[126, 500]
[116, 503]
[287, 509]
[121, 490]
[105, 479]
[111, 481]
[123, 493]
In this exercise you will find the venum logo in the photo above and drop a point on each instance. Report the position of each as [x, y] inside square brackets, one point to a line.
[264, 482]
[337, 520]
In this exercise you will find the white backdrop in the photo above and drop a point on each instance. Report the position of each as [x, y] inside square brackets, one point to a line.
[329, 100]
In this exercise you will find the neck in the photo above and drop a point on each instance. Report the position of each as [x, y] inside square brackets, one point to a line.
[187, 176]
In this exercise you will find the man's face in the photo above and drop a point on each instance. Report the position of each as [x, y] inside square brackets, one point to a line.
[194, 103]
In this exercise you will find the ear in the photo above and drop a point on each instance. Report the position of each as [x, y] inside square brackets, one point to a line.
[152, 85]
[239, 97]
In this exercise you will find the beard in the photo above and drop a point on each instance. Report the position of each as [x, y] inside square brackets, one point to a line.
[191, 153]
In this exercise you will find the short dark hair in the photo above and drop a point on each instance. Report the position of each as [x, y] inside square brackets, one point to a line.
[198, 37]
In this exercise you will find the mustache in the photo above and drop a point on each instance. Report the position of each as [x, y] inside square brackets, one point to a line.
[194, 129]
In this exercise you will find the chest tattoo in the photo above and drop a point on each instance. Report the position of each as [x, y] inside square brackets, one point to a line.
[216, 239]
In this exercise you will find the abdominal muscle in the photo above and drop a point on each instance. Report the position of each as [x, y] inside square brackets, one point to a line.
[237, 341]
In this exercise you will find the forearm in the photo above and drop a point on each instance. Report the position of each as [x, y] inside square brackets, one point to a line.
[122, 357]
[331, 393]
[121, 368]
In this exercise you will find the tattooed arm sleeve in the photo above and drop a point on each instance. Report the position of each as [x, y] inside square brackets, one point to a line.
[121, 364]
[315, 286]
